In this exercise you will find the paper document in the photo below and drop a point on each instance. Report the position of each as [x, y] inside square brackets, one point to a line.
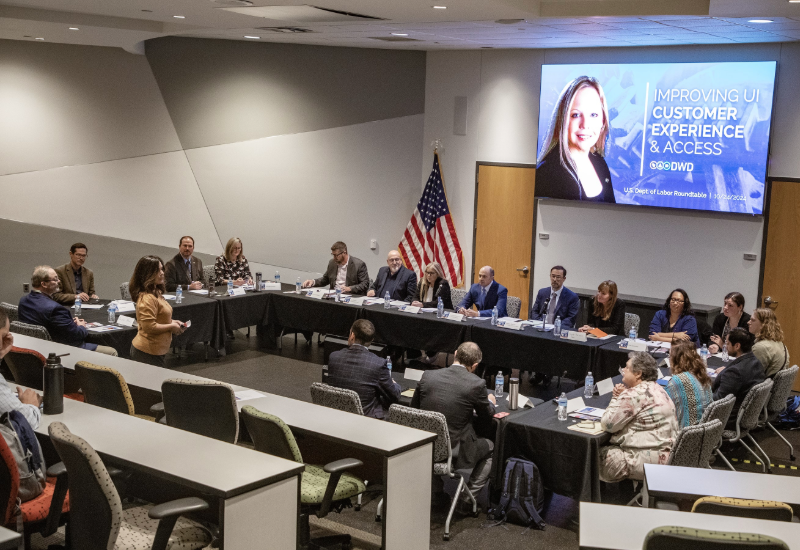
[413, 374]
[372, 301]
[575, 404]
[588, 427]
[659, 345]
[201, 292]
[538, 324]
[91, 306]
[244, 395]
[588, 413]
[605, 386]
[168, 296]
[511, 319]
[398, 303]
[408, 393]
[106, 328]
[428, 310]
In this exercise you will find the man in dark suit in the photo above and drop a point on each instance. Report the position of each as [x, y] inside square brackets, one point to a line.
[396, 279]
[456, 392]
[39, 308]
[744, 372]
[356, 368]
[76, 280]
[556, 301]
[184, 269]
[344, 271]
[485, 294]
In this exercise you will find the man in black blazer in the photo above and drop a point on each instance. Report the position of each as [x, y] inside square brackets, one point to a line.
[396, 279]
[356, 368]
[456, 392]
[184, 269]
[343, 270]
[741, 375]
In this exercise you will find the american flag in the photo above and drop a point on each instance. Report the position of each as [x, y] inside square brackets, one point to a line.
[430, 235]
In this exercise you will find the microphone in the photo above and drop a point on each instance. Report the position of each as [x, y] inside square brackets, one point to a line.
[543, 313]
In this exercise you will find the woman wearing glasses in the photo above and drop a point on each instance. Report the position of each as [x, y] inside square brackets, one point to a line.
[676, 321]
[432, 287]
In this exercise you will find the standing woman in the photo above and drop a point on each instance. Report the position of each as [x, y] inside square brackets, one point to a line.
[153, 313]
[732, 316]
[432, 287]
[232, 265]
[608, 313]
[676, 321]
[769, 347]
[690, 386]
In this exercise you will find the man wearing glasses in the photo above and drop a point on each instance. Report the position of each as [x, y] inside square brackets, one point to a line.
[344, 271]
[556, 301]
[76, 280]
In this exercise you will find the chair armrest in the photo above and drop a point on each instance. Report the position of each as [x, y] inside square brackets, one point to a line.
[157, 411]
[342, 465]
[178, 507]
[59, 471]
[56, 470]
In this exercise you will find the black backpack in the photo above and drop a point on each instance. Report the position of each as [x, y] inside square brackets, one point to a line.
[522, 499]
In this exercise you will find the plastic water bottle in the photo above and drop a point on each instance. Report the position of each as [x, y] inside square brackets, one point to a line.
[298, 285]
[704, 354]
[112, 313]
[725, 357]
[494, 315]
[632, 334]
[386, 300]
[389, 364]
[562, 406]
[557, 326]
[588, 389]
[77, 306]
[440, 308]
[277, 277]
[338, 294]
[178, 295]
[498, 385]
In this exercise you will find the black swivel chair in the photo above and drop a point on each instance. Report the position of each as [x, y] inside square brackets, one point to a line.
[203, 407]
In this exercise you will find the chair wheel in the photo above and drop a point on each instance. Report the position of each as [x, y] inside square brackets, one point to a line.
[476, 513]
[446, 537]
[357, 507]
[791, 457]
[377, 519]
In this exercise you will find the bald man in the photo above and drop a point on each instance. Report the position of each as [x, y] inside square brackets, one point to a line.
[484, 295]
[396, 279]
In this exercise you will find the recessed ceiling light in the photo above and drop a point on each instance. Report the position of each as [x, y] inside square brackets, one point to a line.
[399, 34]
[39, 39]
[74, 29]
[440, 7]
[760, 21]
[794, 1]
[253, 37]
[179, 16]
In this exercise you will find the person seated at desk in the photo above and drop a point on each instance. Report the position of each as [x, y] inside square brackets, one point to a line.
[608, 311]
[76, 280]
[641, 419]
[744, 372]
[458, 393]
[690, 386]
[184, 269]
[396, 279]
[769, 349]
[344, 271]
[358, 369]
[675, 321]
[732, 316]
[39, 308]
[153, 313]
[27, 401]
[485, 295]
[433, 286]
[232, 265]
[556, 301]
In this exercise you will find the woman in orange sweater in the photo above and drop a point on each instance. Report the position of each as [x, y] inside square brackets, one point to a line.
[153, 313]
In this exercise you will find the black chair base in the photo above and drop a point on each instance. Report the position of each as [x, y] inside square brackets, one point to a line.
[331, 541]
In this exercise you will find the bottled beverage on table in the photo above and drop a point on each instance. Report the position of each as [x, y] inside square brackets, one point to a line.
[277, 277]
[725, 357]
[53, 379]
[562, 406]
[298, 285]
[588, 389]
[386, 300]
[230, 287]
[178, 295]
[557, 326]
[338, 294]
[77, 306]
[704, 354]
[112, 313]
[632, 334]
[498, 385]
[440, 308]
[494, 315]
[389, 364]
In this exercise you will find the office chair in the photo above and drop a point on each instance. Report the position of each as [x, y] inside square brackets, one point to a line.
[203, 407]
[739, 507]
[749, 412]
[105, 387]
[781, 390]
[35, 331]
[689, 538]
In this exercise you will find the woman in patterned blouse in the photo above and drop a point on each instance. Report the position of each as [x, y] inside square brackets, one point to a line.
[641, 418]
[690, 386]
[232, 265]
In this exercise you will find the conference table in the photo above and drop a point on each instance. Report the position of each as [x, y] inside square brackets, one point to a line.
[9, 540]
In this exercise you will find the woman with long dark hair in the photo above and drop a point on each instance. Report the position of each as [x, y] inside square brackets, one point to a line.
[732, 316]
[676, 321]
[690, 386]
[608, 311]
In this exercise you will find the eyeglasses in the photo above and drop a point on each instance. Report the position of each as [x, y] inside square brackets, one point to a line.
[431, 273]
[622, 369]
[80, 255]
[337, 254]
[676, 301]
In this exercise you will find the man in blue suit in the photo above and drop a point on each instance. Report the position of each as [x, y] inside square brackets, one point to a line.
[485, 294]
[356, 368]
[556, 301]
[39, 308]
[396, 279]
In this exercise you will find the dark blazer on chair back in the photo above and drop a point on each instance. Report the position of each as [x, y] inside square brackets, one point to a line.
[405, 289]
[441, 288]
[568, 306]
[175, 272]
[357, 277]
[37, 308]
[497, 295]
[455, 392]
[67, 276]
[358, 369]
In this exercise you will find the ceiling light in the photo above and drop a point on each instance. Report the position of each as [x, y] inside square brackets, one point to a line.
[147, 11]
[440, 7]
[74, 29]
[179, 16]
[760, 21]
[39, 39]
[399, 34]
[253, 37]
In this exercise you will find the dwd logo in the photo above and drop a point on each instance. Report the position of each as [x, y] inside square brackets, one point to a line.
[672, 166]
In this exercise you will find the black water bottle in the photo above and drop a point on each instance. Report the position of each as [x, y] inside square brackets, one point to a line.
[53, 385]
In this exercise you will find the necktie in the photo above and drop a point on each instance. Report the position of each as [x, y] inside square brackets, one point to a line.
[188, 267]
[483, 297]
[551, 309]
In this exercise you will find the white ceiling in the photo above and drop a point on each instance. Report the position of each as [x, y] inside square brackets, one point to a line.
[465, 24]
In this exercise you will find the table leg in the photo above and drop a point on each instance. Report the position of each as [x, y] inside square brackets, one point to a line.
[407, 510]
[263, 518]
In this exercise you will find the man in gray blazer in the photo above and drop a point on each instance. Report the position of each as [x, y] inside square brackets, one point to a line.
[184, 269]
[345, 271]
[456, 392]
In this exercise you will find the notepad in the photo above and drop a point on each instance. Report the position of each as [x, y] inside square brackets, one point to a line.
[598, 333]
[408, 393]
[244, 395]
[413, 374]
[587, 427]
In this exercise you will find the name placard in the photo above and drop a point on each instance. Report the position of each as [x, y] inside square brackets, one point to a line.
[356, 301]
[637, 345]
[411, 309]
[239, 291]
[513, 325]
[316, 294]
[576, 336]
[268, 285]
[454, 316]
[126, 321]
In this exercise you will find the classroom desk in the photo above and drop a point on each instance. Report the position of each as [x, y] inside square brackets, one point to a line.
[9, 540]
[604, 526]
[257, 492]
[676, 482]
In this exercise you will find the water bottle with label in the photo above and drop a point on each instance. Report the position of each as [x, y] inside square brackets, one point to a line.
[632, 334]
[112, 313]
[562, 406]
[77, 306]
[588, 389]
[178, 295]
[498, 385]
[277, 277]
[230, 287]
[440, 308]
[704, 354]
[298, 285]
[557, 326]
[494, 315]
[386, 300]
[338, 294]
[389, 364]
[725, 356]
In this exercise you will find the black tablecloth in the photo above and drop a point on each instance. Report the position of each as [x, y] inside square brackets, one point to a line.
[303, 313]
[206, 318]
[423, 331]
[243, 311]
[531, 350]
[120, 340]
[610, 358]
